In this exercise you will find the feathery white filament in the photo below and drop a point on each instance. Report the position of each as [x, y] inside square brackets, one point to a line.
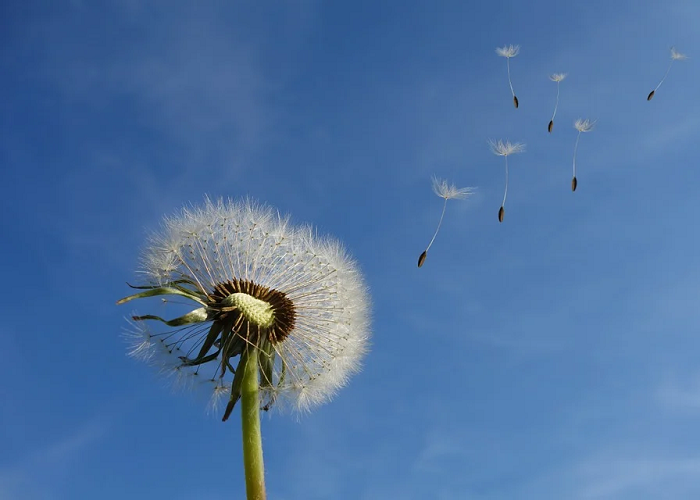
[444, 189]
[224, 241]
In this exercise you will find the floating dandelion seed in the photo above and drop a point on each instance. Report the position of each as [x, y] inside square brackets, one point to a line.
[582, 126]
[291, 306]
[556, 77]
[505, 149]
[675, 56]
[509, 51]
[448, 192]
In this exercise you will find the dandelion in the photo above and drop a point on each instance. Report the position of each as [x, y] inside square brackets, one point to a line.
[556, 77]
[582, 126]
[290, 306]
[509, 51]
[448, 192]
[675, 56]
[505, 149]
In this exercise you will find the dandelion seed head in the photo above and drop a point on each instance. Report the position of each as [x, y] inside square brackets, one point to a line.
[557, 77]
[677, 56]
[508, 51]
[584, 125]
[272, 286]
[506, 148]
[448, 191]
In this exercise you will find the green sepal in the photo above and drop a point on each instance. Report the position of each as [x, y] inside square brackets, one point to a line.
[283, 373]
[236, 384]
[266, 362]
[196, 316]
[151, 287]
[224, 343]
[164, 290]
[210, 340]
[273, 396]
[199, 360]
[231, 346]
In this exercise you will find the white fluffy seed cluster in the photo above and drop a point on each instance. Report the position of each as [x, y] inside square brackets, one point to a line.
[221, 241]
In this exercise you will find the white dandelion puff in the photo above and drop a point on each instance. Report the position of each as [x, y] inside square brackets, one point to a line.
[257, 283]
[558, 78]
[447, 191]
[509, 51]
[505, 149]
[582, 126]
[675, 56]
[288, 308]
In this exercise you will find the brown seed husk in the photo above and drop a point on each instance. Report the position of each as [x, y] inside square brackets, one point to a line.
[549, 127]
[574, 183]
[651, 94]
[515, 101]
[501, 213]
[422, 257]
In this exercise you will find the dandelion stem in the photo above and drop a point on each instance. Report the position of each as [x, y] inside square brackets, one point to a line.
[444, 206]
[250, 419]
[575, 148]
[505, 193]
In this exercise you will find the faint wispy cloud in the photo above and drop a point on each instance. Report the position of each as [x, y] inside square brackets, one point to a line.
[680, 396]
[189, 78]
[32, 477]
[440, 446]
[638, 477]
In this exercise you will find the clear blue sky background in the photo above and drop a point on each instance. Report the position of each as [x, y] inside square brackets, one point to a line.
[552, 356]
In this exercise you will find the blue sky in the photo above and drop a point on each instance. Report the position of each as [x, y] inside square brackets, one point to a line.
[551, 356]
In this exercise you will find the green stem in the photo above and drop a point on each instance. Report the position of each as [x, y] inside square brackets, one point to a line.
[252, 438]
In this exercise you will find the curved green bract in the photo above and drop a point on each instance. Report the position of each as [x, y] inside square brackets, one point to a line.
[196, 316]
[164, 290]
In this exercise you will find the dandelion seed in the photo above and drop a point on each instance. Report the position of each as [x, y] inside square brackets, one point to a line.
[449, 192]
[556, 77]
[582, 126]
[509, 51]
[505, 149]
[675, 56]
